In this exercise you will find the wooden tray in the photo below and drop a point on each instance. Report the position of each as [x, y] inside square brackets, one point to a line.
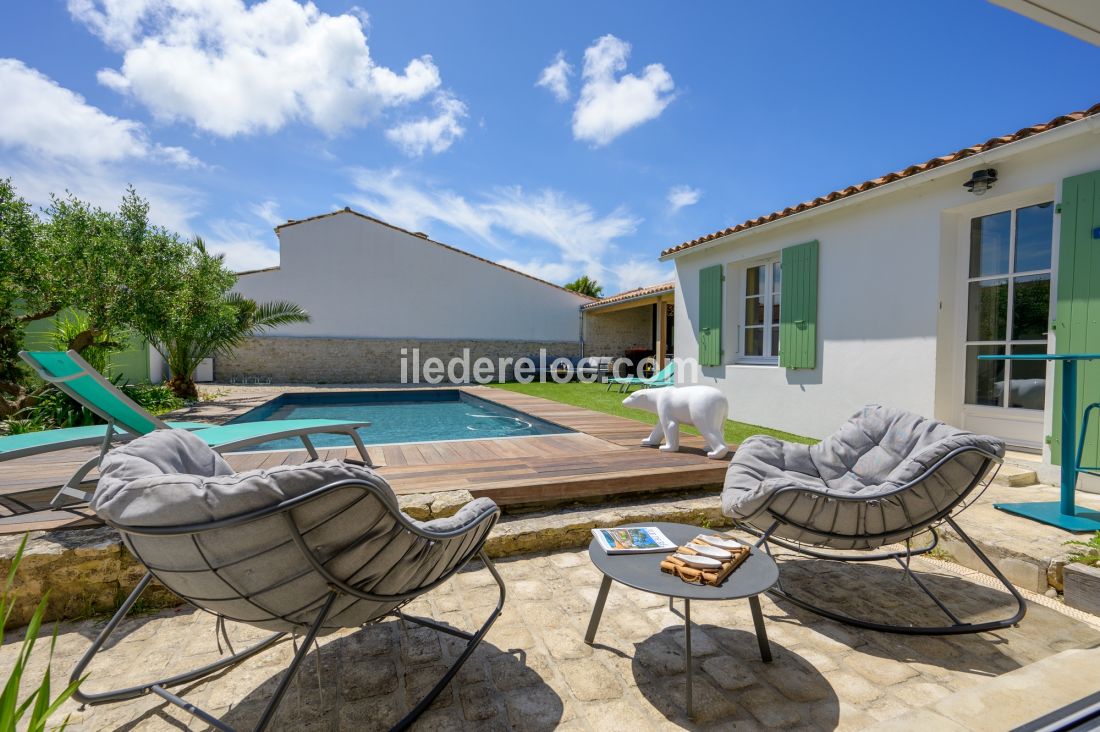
[714, 577]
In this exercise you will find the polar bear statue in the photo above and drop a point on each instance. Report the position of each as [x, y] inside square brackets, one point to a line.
[702, 406]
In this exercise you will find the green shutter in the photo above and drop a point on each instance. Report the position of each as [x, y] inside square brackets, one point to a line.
[710, 316]
[1077, 323]
[798, 307]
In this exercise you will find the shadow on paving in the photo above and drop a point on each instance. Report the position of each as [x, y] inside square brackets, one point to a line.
[886, 594]
[367, 681]
[732, 686]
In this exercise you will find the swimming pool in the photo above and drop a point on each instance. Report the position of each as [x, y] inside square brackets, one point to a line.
[419, 415]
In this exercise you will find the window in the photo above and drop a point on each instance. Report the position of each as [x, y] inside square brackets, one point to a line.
[760, 315]
[1008, 306]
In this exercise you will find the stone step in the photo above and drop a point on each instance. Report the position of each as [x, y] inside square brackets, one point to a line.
[1015, 476]
[1009, 700]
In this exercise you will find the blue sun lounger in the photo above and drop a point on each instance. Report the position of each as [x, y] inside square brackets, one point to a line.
[664, 377]
[71, 374]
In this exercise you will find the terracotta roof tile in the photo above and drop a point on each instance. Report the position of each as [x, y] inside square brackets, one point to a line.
[631, 294]
[966, 152]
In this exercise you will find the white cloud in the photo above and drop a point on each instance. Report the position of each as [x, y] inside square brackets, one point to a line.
[572, 226]
[555, 77]
[42, 118]
[511, 219]
[639, 273]
[609, 106]
[556, 272]
[431, 133]
[268, 212]
[231, 68]
[241, 245]
[171, 205]
[681, 196]
[398, 201]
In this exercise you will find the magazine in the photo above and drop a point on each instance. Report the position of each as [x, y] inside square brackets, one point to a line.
[633, 540]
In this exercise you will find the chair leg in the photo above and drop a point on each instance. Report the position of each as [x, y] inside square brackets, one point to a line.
[160, 687]
[473, 639]
[957, 626]
[132, 692]
[72, 485]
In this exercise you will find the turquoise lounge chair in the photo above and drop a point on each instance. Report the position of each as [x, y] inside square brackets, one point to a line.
[664, 377]
[71, 374]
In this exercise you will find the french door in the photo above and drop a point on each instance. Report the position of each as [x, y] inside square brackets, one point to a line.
[1008, 275]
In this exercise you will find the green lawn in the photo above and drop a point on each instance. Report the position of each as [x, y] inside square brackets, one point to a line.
[598, 399]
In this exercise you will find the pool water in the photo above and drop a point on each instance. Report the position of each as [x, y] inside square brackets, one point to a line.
[399, 416]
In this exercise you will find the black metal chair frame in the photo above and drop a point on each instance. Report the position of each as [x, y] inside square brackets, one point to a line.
[944, 515]
[337, 588]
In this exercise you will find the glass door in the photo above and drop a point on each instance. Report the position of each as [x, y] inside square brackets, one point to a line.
[1008, 312]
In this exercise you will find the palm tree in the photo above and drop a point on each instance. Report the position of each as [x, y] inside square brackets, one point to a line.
[586, 286]
[242, 318]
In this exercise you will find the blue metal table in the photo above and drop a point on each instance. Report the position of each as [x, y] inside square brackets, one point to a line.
[1064, 513]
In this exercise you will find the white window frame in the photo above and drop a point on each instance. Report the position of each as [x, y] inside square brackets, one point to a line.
[768, 359]
[1011, 276]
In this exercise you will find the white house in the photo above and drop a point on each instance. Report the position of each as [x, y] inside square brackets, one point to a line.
[372, 289]
[887, 291]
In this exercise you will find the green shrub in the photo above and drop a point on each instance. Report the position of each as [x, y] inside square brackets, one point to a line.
[38, 702]
[53, 409]
[1090, 555]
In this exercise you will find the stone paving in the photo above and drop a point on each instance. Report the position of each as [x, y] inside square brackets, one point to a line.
[534, 671]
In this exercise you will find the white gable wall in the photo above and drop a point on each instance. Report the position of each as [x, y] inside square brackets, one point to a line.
[361, 279]
[886, 264]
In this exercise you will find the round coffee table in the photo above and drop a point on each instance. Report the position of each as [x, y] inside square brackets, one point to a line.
[643, 572]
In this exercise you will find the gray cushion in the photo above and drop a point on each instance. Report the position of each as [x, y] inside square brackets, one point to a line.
[877, 452]
[261, 575]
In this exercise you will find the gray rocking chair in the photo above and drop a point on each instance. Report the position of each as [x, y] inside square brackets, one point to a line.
[298, 550]
[885, 477]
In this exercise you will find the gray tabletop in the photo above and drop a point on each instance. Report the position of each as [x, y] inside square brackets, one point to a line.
[643, 571]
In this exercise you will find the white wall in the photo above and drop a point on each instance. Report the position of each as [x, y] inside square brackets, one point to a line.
[361, 279]
[885, 265]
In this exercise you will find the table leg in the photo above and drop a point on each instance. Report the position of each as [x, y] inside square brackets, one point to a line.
[1069, 437]
[597, 610]
[687, 653]
[761, 631]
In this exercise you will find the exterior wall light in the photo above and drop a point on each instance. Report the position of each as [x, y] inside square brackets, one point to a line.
[981, 181]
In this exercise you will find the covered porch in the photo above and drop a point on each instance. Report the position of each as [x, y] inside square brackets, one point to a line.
[636, 324]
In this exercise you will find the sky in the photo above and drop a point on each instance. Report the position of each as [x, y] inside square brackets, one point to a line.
[559, 138]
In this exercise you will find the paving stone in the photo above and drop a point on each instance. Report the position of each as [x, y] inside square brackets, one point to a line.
[419, 680]
[478, 702]
[881, 671]
[618, 714]
[659, 657]
[590, 680]
[372, 678]
[565, 643]
[535, 708]
[853, 688]
[534, 671]
[771, 709]
[729, 673]
[920, 693]
[794, 683]
[523, 670]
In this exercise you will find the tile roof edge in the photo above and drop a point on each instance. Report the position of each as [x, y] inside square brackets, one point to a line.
[889, 178]
[629, 295]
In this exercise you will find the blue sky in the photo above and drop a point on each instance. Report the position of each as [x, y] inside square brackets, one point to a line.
[654, 122]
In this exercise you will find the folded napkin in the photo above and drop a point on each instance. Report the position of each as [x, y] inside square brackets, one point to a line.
[678, 567]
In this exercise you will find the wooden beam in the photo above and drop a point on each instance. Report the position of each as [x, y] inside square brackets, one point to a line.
[662, 333]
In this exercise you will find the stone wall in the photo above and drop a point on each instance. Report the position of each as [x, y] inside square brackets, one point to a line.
[611, 333]
[361, 360]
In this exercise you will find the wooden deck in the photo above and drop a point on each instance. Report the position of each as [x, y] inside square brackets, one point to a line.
[602, 457]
